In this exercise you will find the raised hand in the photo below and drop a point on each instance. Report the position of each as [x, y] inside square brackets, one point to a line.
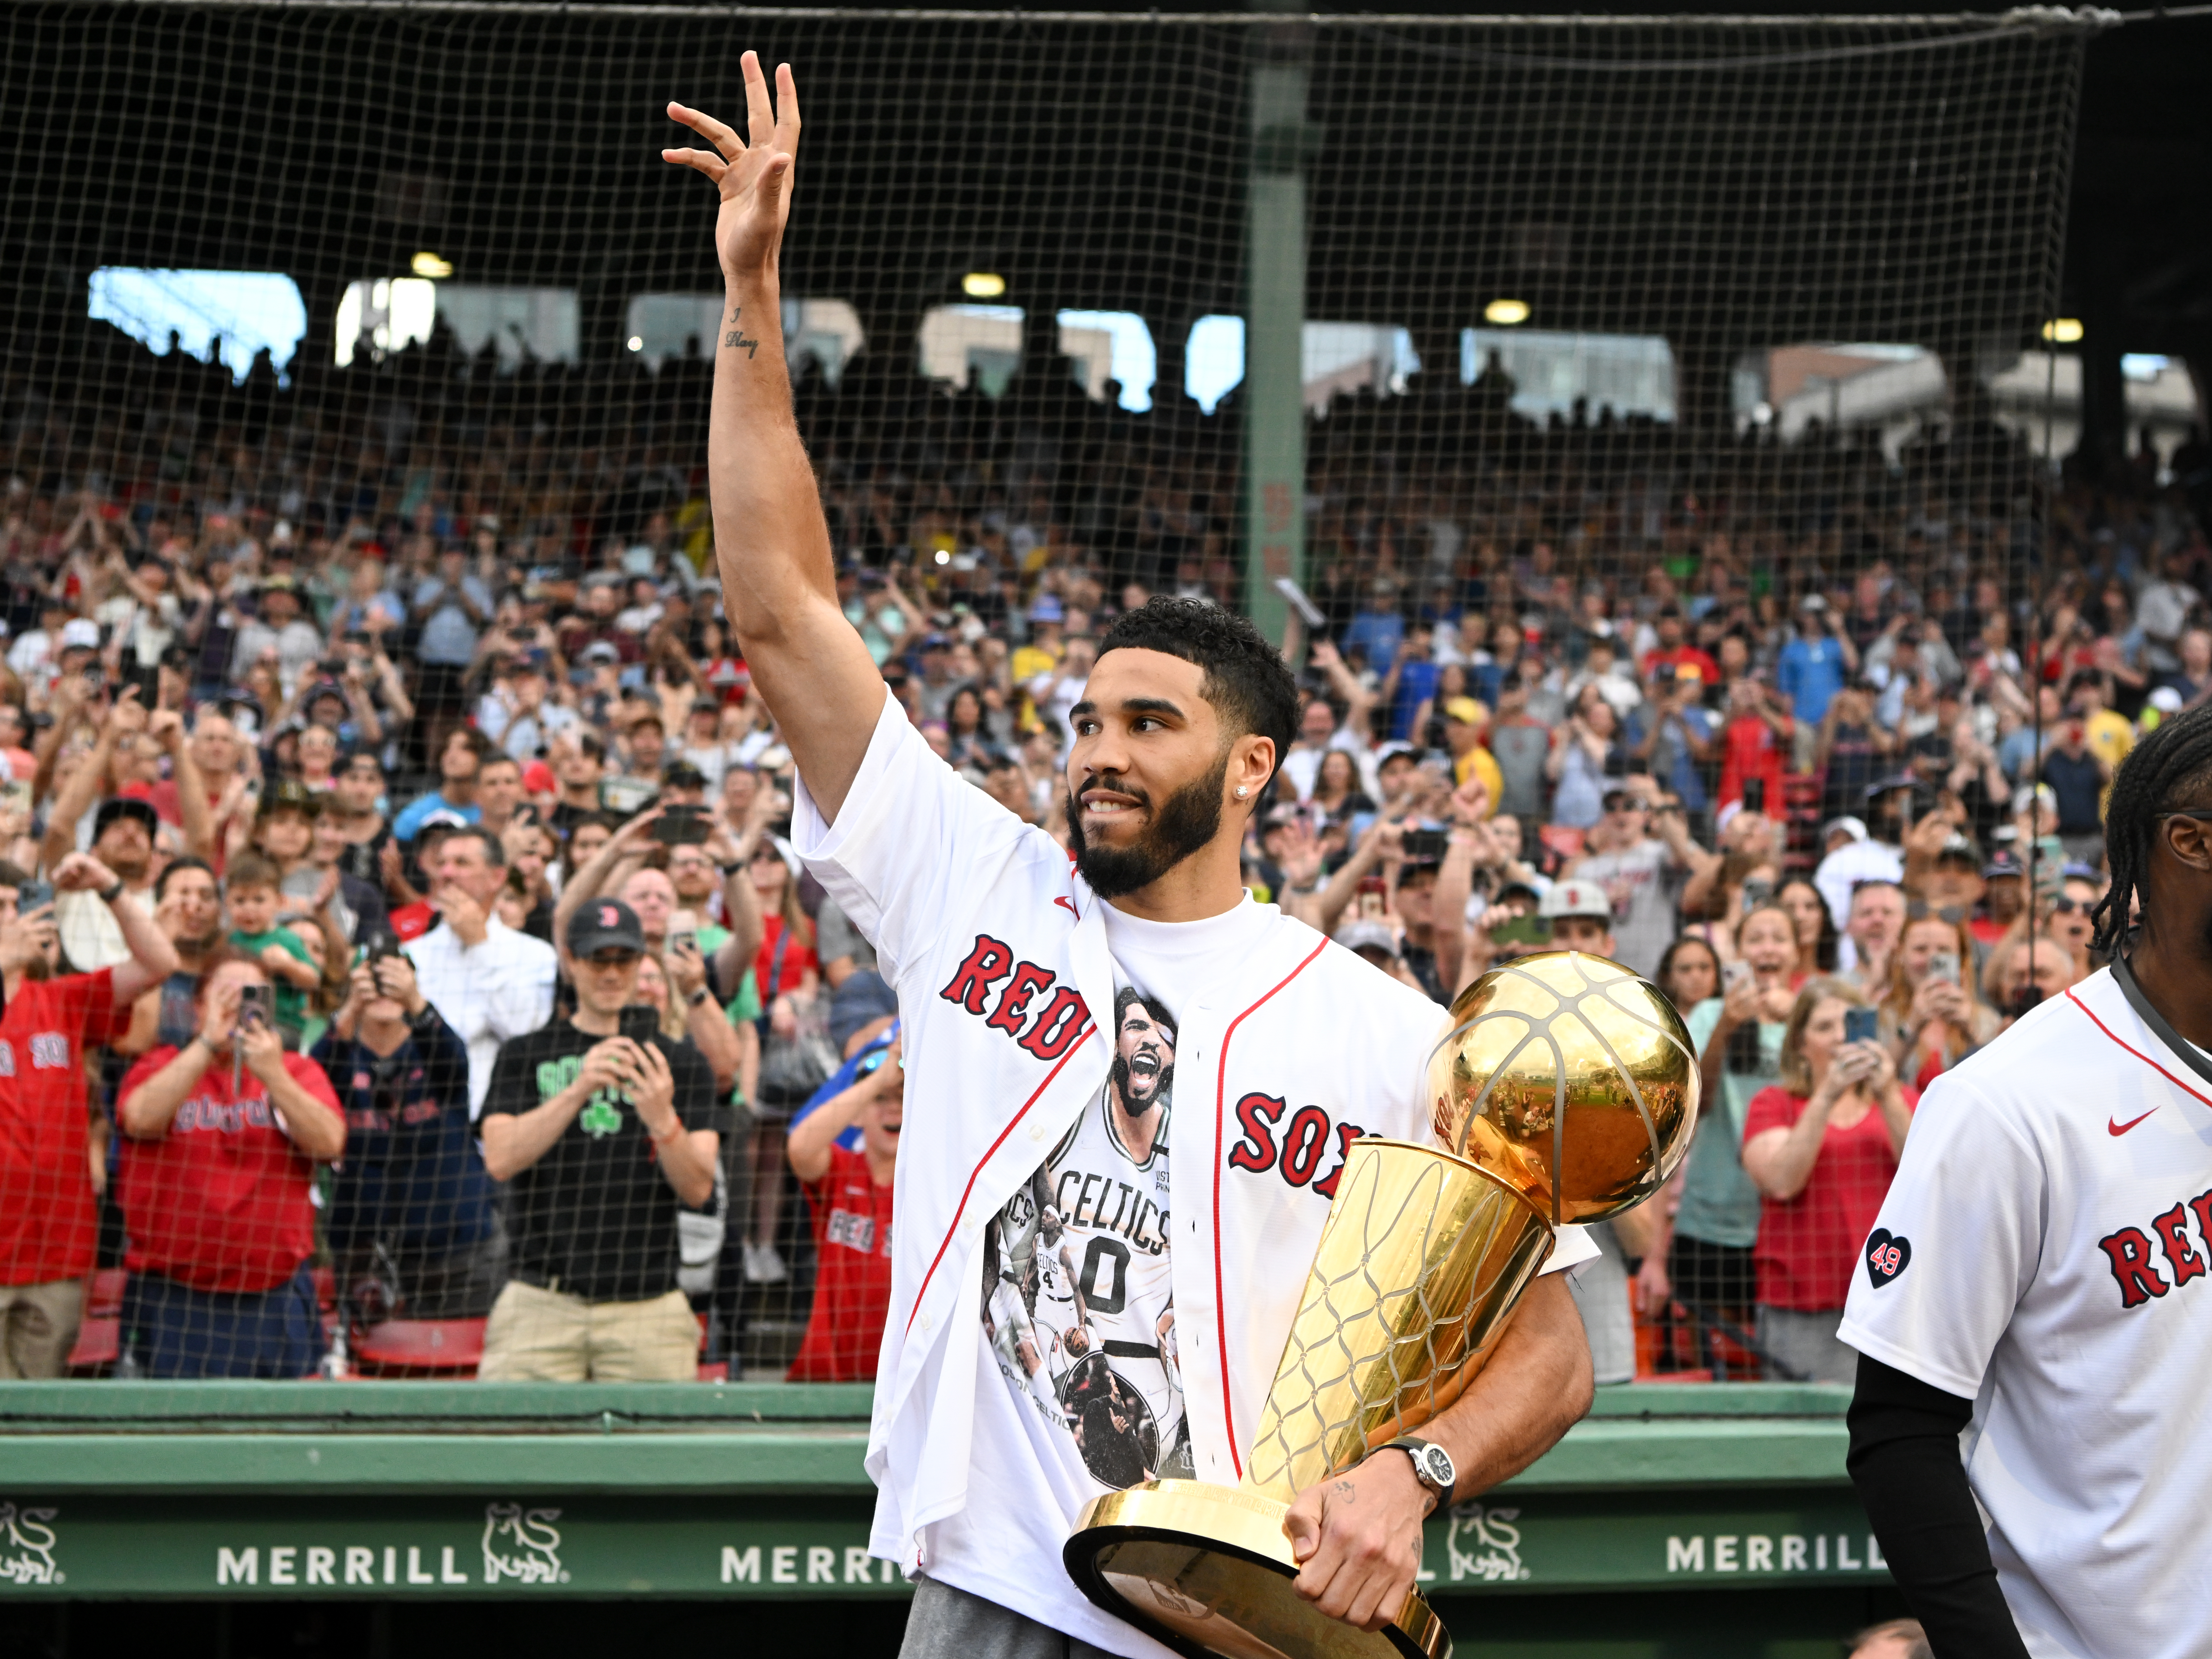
[752, 174]
[81, 872]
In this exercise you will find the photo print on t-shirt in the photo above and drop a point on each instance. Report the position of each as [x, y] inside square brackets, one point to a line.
[1077, 1302]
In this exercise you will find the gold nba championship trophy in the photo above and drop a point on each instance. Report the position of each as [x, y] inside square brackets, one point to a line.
[1565, 1091]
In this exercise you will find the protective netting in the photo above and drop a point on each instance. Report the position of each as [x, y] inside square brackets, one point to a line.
[1618, 341]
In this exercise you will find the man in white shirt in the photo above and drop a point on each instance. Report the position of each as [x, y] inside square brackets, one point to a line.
[517, 715]
[486, 981]
[1060, 687]
[1851, 856]
[279, 628]
[2026, 1433]
[1032, 1072]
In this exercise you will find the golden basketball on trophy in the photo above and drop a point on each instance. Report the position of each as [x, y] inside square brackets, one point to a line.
[1563, 1091]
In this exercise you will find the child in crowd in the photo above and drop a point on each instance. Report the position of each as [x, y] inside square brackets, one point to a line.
[252, 897]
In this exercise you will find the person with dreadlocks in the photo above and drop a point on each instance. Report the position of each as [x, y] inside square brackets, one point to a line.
[2032, 1281]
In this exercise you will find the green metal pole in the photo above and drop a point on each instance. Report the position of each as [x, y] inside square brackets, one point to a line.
[1275, 332]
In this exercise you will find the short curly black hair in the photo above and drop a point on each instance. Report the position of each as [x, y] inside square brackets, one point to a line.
[1247, 681]
[2171, 766]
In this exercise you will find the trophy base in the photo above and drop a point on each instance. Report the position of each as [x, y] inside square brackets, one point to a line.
[1206, 1571]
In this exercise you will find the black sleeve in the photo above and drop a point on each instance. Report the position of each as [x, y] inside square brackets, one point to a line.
[446, 1061]
[695, 1103]
[1905, 1461]
[509, 1092]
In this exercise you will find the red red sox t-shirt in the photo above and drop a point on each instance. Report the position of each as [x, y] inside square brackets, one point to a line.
[1808, 1246]
[852, 1220]
[49, 1225]
[220, 1202]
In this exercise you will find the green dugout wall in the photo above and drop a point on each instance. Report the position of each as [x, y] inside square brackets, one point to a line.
[1676, 1520]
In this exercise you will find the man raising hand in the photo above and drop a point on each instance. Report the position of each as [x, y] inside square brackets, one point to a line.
[1176, 1183]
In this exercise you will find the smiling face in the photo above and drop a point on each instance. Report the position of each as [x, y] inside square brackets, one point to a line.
[1148, 774]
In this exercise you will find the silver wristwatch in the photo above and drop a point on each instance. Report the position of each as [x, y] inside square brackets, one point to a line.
[1432, 1464]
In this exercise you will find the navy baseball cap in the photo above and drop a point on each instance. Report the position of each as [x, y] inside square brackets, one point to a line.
[604, 924]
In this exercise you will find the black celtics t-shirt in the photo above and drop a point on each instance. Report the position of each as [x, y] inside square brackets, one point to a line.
[595, 1213]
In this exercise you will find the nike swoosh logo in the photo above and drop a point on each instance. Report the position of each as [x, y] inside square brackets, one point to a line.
[2114, 1127]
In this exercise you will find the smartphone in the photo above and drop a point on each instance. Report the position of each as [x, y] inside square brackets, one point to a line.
[1424, 846]
[1755, 794]
[256, 1005]
[1944, 965]
[376, 946]
[687, 940]
[682, 825]
[33, 894]
[1858, 1025]
[1757, 890]
[1522, 930]
[639, 1024]
[1733, 974]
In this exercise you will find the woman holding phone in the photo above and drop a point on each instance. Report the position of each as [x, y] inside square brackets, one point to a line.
[1931, 1018]
[1821, 1145]
[1738, 1036]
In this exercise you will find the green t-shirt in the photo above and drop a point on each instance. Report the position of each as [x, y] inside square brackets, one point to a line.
[291, 1000]
[1720, 1204]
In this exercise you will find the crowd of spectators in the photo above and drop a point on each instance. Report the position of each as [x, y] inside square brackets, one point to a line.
[396, 923]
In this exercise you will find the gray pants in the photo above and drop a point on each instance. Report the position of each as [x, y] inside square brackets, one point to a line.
[946, 1622]
[1807, 1343]
[1600, 1292]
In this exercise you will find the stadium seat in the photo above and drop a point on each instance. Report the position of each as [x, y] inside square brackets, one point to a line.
[97, 1342]
[445, 1348]
[103, 1296]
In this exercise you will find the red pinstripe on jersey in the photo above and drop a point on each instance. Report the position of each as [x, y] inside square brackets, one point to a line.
[1221, 1317]
[2137, 1052]
[973, 1174]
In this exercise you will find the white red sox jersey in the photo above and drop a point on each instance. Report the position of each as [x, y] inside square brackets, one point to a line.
[2045, 1251]
[1007, 989]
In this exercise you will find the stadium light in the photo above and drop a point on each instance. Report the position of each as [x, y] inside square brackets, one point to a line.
[430, 265]
[1505, 313]
[2063, 331]
[637, 342]
[982, 285]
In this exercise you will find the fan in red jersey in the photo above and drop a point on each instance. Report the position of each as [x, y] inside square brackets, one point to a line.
[51, 1167]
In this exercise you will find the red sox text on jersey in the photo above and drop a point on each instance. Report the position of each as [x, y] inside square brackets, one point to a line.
[1307, 1141]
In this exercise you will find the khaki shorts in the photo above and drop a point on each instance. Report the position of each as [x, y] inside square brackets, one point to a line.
[538, 1335]
[38, 1327]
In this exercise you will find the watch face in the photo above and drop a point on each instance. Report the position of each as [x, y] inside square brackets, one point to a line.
[1436, 1466]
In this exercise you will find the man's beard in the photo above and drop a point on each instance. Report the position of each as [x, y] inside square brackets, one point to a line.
[1123, 1077]
[1189, 819]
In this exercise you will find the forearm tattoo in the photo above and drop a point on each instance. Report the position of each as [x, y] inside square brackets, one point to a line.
[736, 337]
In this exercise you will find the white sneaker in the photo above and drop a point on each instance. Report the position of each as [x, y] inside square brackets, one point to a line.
[764, 1265]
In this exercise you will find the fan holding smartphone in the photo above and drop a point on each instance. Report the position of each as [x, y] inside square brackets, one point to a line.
[1820, 1145]
[604, 1127]
[221, 1139]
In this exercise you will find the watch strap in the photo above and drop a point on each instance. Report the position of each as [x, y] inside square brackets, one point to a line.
[109, 894]
[1418, 1449]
